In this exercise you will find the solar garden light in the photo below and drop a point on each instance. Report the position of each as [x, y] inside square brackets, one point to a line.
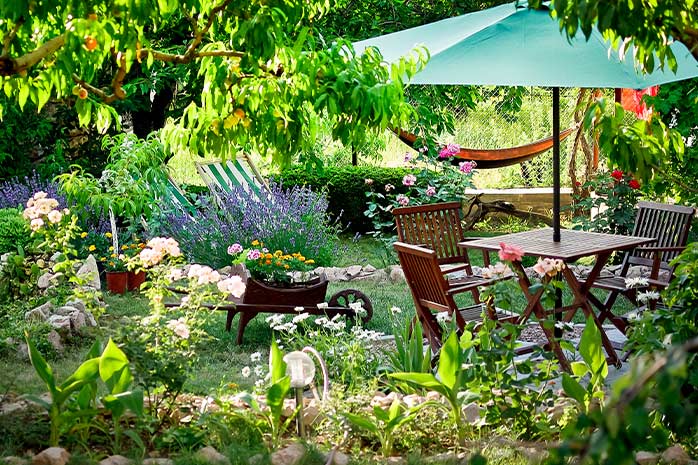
[301, 369]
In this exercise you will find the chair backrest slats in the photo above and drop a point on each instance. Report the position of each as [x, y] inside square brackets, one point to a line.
[668, 224]
[436, 226]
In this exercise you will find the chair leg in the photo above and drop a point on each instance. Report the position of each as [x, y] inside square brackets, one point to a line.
[229, 318]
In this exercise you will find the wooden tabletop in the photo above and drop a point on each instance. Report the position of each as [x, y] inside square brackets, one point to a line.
[573, 244]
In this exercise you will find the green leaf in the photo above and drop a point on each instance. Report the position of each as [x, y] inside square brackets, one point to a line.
[449, 362]
[113, 369]
[362, 422]
[591, 350]
[40, 366]
[86, 373]
[277, 366]
[573, 388]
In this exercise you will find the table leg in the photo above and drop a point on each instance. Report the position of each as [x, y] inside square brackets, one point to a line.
[580, 299]
[534, 306]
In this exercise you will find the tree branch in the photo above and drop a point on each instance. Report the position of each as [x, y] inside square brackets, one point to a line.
[11, 36]
[11, 66]
[199, 34]
[183, 59]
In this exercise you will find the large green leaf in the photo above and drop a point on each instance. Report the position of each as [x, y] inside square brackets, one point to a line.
[42, 368]
[277, 366]
[86, 373]
[591, 350]
[450, 361]
[573, 388]
[113, 369]
[362, 422]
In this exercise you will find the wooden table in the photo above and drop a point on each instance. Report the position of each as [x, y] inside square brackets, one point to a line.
[572, 246]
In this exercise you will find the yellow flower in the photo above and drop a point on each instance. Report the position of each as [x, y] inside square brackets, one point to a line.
[111, 263]
[113, 255]
[108, 234]
[83, 234]
[91, 248]
[255, 242]
[124, 247]
[310, 262]
[278, 253]
[301, 258]
[111, 247]
[286, 266]
[268, 255]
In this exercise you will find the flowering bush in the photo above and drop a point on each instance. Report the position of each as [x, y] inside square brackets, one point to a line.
[432, 180]
[613, 205]
[164, 345]
[347, 348]
[290, 220]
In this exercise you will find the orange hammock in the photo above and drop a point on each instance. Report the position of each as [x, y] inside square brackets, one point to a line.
[496, 158]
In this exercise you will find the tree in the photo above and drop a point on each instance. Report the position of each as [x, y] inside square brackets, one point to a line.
[266, 75]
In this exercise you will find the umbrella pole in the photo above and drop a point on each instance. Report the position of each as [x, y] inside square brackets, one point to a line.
[556, 164]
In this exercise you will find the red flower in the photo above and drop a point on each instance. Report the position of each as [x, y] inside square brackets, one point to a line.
[617, 175]
[634, 184]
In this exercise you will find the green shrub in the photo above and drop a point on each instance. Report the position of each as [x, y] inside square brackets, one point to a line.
[346, 189]
[14, 230]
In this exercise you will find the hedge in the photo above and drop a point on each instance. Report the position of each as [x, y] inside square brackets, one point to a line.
[346, 189]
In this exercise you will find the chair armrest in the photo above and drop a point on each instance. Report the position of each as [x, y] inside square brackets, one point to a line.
[470, 286]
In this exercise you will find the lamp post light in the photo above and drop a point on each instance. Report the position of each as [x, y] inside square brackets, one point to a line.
[301, 369]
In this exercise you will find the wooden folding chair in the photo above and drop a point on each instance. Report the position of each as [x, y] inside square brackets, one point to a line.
[669, 225]
[438, 227]
[432, 292]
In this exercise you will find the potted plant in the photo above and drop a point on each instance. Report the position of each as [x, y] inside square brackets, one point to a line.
[136, 277]
[117, 275]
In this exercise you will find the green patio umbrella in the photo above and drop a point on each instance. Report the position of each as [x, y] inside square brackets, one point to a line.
[512, 45]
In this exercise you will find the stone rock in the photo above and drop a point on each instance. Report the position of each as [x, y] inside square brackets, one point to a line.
[14, 460]
[116, 460]
[534, 454]
[676, 455]
[23, 351]
[396, 460]
[77, 320]
[290, 455]
[60, 322]
[369, 269]
[158, 461]
[44, 280]
[225, 271]
[396, 274]
[40, 313]
[90, 272]
[338, 458]
[77, 304]
[646, 458]
[472, 412]
[10, 407]
[413, 400]
[311, 412]
[210, 455]
[5, 257]
[257, 459]
[51, 456]
[334, 274]
[353, 271]
[55, 340]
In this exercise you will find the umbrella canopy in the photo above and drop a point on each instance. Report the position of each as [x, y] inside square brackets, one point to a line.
[511, 45]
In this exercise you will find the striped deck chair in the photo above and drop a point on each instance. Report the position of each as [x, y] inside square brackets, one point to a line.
[240, 172]
[177, 198]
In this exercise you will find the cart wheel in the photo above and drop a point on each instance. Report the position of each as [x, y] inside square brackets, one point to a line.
[348, 296]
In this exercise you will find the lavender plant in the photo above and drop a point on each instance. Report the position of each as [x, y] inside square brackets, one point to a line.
[285, 219]
[15, 192]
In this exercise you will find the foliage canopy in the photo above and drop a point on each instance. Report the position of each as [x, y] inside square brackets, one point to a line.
[265, 72]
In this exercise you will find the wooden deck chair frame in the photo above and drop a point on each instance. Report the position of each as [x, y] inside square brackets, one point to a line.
[178, 197]
[438, 227]
[669, 225]
[432, 293]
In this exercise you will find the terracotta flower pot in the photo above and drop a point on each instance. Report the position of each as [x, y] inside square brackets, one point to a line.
[135, 280]
[117, 281]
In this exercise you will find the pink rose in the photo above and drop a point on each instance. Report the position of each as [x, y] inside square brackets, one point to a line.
[409, 180]
[431, 191]
[234, 249]
[389, 187]
[466, 166]
[510, 252]
[253, 254]
[449, 151]
[402, 199]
